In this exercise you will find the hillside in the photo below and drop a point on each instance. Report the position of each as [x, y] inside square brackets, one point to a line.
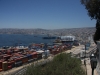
[81, 34]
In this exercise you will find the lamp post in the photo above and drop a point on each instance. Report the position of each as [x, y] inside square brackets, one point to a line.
[85, 56]
[45, 47]
[93, 62]
[85, 50]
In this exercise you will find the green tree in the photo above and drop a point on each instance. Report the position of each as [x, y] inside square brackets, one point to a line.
[93, 8]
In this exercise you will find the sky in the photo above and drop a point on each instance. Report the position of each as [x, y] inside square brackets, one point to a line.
[45, 14]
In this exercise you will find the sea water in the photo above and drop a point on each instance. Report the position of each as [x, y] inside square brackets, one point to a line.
[25, 39]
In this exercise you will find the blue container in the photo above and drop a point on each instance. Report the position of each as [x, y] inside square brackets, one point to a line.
[20, 63]
[16, 64]
[29, 56]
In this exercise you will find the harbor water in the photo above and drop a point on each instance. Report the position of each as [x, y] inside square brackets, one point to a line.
[25, 39]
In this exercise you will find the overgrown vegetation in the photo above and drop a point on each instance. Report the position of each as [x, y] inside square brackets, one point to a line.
[63, 64]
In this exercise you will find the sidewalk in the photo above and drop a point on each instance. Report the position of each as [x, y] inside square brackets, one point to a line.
[88, 66]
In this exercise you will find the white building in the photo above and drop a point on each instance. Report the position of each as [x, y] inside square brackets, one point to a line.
[67, 38]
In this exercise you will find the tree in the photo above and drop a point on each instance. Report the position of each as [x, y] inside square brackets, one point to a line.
[93, 8]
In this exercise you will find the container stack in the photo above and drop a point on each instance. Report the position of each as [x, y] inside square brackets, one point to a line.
[15, 57]
[5, 66]
[0, 66]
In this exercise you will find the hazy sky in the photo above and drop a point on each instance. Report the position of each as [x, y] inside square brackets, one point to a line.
[46, 14]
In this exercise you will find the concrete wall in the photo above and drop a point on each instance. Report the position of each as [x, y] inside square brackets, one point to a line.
[98, 64]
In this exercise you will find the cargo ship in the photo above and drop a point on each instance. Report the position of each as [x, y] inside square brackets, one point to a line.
[65, 39]
[68, 40]
[49, 37]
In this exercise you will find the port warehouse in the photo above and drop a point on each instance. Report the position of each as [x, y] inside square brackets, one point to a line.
[17, 56]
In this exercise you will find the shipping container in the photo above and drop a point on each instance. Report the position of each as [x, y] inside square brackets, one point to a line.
[4, 66]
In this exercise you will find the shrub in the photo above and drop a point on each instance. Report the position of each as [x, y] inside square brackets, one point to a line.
[62, 64]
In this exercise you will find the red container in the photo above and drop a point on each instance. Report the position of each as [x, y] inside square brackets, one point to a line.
[13, 63]
[24, 59]
[9, 63]
[21, 59]
[5, 57]
[55, 52]
[1, 56]
[0, 70]
[8, 52]
[34, 55]
[30, 52]
[18, 59]
[0, 64]
[0, 53]
[9, 67]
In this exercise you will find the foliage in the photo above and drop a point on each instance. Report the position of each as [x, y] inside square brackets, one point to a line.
[93, 8]
[62, 64]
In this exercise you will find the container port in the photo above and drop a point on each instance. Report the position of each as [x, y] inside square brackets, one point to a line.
[17, 56]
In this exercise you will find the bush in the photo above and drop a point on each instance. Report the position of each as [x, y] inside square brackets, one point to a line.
[62, 64]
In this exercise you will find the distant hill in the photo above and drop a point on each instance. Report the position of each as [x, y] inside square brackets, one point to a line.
[81, 34]
[64, 31]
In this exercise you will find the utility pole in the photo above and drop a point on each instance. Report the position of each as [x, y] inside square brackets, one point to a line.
[85, 56]
[45, 47]
[85, 50]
